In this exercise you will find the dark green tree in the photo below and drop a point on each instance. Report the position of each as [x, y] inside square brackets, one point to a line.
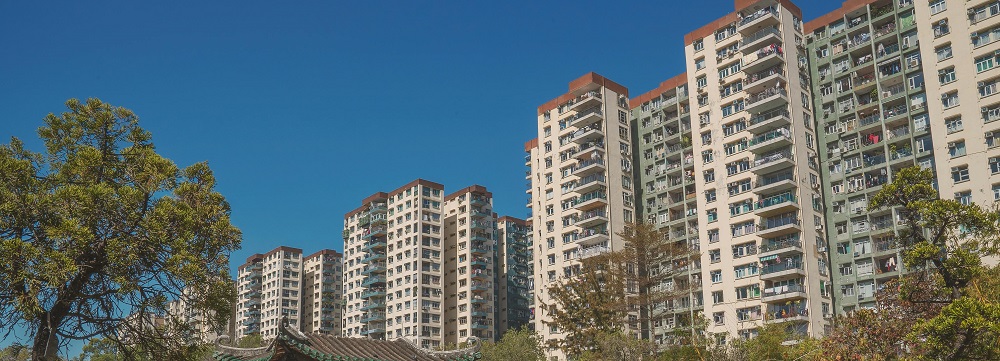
[99, 232]
[943, 243]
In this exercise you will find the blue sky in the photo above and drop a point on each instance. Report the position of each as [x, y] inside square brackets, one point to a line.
[303, 108]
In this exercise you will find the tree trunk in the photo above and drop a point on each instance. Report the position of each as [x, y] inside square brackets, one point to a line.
[46, 343]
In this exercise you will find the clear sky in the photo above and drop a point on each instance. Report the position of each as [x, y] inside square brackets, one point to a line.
[303, 108]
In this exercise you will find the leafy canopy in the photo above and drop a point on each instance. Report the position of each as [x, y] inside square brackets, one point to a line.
[100, 227]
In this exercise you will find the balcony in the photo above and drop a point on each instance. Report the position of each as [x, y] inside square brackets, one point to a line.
[479, 213]
[589, 237]
[790, 243]
[591, 200]
[583, 118]
[480, 313]
[590, 183]
[480, 326]
[783, 269]
[784, 293]
[480, 248]
[763, 17]
[478, 300]
[347, 233]
[777, 226]
[377, 292]
[754, 82]
[775, 204]
[764, 57]
[373, 244]
[377, 208]
[787, 313]
[593, 251]
[766, 99]
[364, 220]
[373, 305]
[371, 257]
[759, 39]
[588, 167]
[481, 286]
[373, 317]
[481, 201]
[374, 232]
[774, 183]
[479, 261]
[372, 280]
[590, 99]
[372, 331]
[591, 218]
[773, 161]
[771, 140]
[374, 268]
[768, 120]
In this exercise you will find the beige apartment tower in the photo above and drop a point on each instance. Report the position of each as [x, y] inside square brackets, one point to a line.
[269, 286]
[762, 221]
[581, 191]
[418, 265]
[322, 291]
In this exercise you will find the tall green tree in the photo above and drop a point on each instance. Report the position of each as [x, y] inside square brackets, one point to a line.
[943, 242]
[99, 231]
[587, 305]
[515, 345]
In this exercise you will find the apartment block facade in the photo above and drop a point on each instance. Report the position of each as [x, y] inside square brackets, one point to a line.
[664, 156]
[513, 269]
[322, 292]
[893, 88]
[764, 154]
[419, 264]
[269, 286]
[581, 182]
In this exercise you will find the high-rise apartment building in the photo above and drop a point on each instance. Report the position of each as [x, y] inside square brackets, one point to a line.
[182, 311]
[513, 270]
[269, 286]
[893, 87]
[667, 189]
[419, 264]
[762, 220]
[322, 291]
[798, 125]
[581, 182]
[469, 256]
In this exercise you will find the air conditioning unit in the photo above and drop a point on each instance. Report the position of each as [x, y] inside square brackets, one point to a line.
[988, 135]
[821, 249]
[819, 227]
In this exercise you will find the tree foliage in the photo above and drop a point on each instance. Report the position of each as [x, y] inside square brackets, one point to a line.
[620, 293]
[515, 345]
[100, 227]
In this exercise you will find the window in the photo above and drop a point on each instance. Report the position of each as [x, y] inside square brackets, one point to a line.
[715, 256]
[747, 292]
[823, 52]
[729, 70]
[713, 235]
[996, 192]
[960, 174]
[938, 6]
[943, 52]
[710, 196]
[716, 276]
[954, 124]
[746, 270]
[707, 157]
[964, 197]
[994, 165]
[949, 100]
[699, 45]
[941, 28]
[956, 149]
[699, 63]
[946, 75]
[985, 37]
[702, 82]
[985, 63]
[987, 88]
[717, 297]
[710, 176]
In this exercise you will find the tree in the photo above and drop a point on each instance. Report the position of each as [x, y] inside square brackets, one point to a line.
[15, 352]
[516, 345]
[772, 342]
[619, 346]
[632, 286]
[251, 341]
[943, 243]
[99, 232]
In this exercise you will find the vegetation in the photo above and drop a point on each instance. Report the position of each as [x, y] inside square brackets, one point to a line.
[613, 290]
[99, 232]
[515, 345]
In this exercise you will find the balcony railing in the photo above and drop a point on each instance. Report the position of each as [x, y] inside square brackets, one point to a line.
[781, 266]
[766, 181]
[775, 200]
[781, 290]
[781, 244]
[768, 11]
[767, 93]
[771, 135]
[768, 115]
[759, 35]
[773, 157]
